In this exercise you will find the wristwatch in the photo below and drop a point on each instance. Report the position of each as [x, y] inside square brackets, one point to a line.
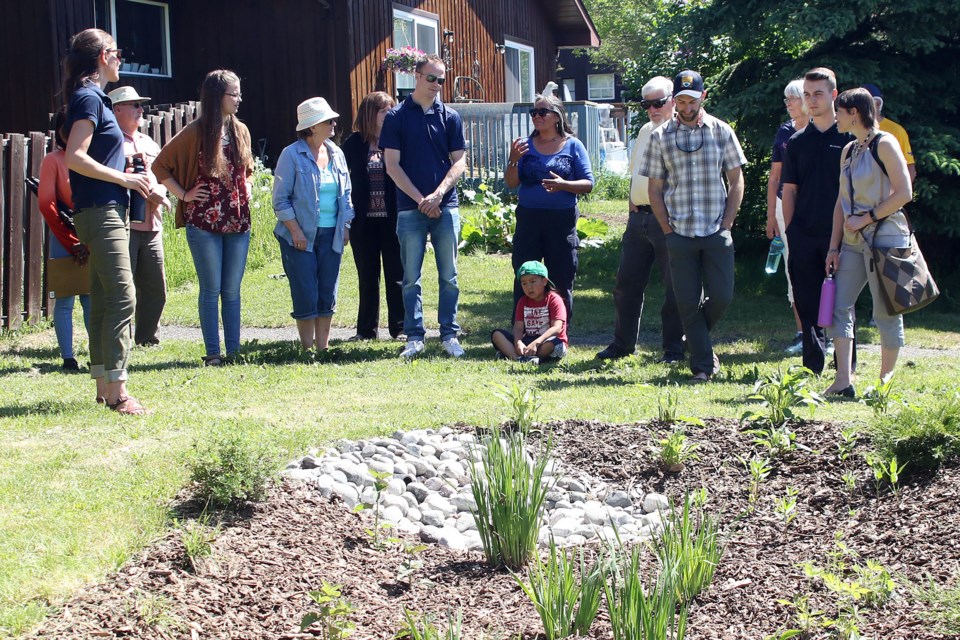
[873, 215]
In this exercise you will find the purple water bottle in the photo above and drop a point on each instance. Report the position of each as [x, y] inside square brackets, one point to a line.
[828, 296]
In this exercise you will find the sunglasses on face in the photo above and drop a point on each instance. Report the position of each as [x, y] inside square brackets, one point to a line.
[432, 78]
[117, 52]
[132, 105]
[542, 112]
[656, 104]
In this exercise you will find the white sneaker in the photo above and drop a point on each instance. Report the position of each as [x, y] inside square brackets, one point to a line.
[412, 350]
[796, 346]
[830, 348]
[452, 347]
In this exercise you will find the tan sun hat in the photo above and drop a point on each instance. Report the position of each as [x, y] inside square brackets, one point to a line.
[126, 94]
[312, 111]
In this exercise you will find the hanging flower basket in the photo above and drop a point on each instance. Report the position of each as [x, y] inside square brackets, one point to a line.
[402, 60]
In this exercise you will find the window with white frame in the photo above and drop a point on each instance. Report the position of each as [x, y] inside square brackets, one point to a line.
[519, 71]
[569, 89]
[142, 31]
[417, 29]
[600, 86]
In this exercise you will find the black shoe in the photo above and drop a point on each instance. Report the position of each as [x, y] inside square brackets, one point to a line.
[149, 342]
[70, 364]
[846, 392]
[612, 352]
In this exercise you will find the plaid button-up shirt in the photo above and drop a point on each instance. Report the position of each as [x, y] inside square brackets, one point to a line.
[692, 161]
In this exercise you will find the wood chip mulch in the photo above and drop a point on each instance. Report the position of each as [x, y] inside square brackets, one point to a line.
[255, 584]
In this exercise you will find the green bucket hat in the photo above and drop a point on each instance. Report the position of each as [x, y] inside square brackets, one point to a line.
[535, 268]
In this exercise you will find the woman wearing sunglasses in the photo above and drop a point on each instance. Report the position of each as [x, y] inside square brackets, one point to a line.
[94, 156]
[551, 168]
[206, 167]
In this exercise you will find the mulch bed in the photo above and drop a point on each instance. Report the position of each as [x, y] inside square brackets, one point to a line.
[266, 560]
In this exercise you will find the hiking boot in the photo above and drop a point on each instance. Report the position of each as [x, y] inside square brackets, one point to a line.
[613, 352]
[70, 364]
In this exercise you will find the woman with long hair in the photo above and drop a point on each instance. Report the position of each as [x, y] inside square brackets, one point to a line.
[374, 229]
[551, 168]
[206, 167]
[53, 193]
[869, 212]
[94, 157]
[311, 199]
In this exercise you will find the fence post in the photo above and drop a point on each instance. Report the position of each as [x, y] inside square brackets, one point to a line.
[33, 282]
[4, 188]
[14, 238]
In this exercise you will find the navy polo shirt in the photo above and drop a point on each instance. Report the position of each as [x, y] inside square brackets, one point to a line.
[425, 140]
[89, 102]
[784, 133]
[812, 162]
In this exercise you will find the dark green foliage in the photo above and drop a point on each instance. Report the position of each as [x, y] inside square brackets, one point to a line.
[920, 438]
[230, 467]
[748, 50]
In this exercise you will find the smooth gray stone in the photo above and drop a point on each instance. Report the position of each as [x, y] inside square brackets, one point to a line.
[445, 431]
[619, 499]
[595, 512]
[353, 472]
[395, 501]
[325, 485]
[448, 455]
[381, 466]
[345, 446]
[414, 449]
[556, 495]
[452, 539]
[392, 514]
[432, 518]
[466, 522]
[572, 484]
[464, 502]
[655, 502]
[430, 534]
[293, 464]
[368, 451]
[304, 475]
[395, 487]
[434, 484]
[439, 503]
[560, 514]
[575, 540]
[577, 497]
[563, 504]
[565, 527]
[309, 462]
[347, 493]
[418, 490]
[339, 476]
[414, 515]
[423, 469]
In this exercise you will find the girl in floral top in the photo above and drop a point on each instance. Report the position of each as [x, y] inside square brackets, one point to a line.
[212, 157]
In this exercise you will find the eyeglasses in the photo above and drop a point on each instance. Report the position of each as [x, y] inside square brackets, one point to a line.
[237, 95]
[542, 112]
[656, 104]
[432, 78]
[688, 147]
[787, 101]
[135, 105]
[117, 52]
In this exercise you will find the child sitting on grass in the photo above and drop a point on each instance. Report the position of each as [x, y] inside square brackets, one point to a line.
[540, 320]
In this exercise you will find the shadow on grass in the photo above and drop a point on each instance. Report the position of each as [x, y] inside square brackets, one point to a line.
[44, 407]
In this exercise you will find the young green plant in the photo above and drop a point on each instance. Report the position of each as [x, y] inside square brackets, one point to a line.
[524, 403]
[422, 626]
[332, 620]
[380, 483]
[780, 394]
[689, 550]
[675, 450]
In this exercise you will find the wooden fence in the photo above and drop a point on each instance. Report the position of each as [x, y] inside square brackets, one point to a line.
[24, 238]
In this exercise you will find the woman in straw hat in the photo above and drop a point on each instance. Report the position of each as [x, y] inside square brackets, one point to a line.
[311, 199]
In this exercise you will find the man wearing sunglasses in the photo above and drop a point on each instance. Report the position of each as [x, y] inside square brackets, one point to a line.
[686, 161]
[423, 151]
[146, 229]
[643, 244]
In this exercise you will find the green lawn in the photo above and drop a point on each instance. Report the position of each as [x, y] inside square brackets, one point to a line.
[81, 488]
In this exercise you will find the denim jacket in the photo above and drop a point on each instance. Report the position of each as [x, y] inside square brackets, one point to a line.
[296, 183]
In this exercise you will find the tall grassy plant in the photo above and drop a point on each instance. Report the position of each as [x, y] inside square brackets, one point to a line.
[509, 491]
[567, 606]
[690, 549]
[922, 437]
[638, 613]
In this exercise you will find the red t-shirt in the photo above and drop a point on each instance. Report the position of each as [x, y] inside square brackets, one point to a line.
[538, 316]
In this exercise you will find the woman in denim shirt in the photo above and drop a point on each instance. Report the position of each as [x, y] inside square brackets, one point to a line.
[311, 199]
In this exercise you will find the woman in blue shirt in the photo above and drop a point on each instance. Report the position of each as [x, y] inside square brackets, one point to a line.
[552, 168]
[311, 198]
[94, 156]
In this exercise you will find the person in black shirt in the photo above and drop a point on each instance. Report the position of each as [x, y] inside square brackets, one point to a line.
[811, 179]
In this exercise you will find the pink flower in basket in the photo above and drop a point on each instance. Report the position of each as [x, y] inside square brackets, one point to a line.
[402, 60]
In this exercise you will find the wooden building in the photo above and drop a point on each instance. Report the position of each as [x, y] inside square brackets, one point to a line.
[288, 50]
[582, 79]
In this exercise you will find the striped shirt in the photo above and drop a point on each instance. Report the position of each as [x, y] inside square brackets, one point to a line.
[692, 161]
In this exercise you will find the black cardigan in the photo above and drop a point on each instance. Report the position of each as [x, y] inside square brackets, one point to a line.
[355, 150]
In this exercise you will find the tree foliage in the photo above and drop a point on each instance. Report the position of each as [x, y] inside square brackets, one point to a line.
[748, 50]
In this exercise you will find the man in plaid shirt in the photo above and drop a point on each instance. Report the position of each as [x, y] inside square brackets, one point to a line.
[686, 161]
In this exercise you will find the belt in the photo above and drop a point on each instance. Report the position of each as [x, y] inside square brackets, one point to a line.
[644, 208]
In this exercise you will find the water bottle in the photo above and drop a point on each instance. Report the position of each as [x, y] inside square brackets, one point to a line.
[828, 296]
[773, 257]
[138, 206]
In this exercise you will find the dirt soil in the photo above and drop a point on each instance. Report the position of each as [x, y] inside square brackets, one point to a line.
[265, 560]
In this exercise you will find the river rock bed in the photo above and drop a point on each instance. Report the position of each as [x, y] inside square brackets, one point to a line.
[430, 494]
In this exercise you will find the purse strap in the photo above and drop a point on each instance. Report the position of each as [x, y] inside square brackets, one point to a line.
[876, 156]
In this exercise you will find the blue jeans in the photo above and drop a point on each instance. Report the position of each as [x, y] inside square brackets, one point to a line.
[412, 230]
[219, 259]
[63, 309]
[313, 276]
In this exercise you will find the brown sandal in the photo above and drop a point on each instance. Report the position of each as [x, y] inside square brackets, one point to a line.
[128, 406]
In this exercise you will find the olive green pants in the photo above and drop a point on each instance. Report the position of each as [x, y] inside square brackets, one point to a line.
[112, 294]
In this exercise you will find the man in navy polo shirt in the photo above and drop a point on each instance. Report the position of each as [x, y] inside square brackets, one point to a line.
[811, 182]
[422, 142]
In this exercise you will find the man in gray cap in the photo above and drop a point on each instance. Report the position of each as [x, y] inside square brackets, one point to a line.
[146, 228]
[686, 161]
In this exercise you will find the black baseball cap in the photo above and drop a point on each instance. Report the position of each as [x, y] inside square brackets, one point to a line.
[688, 83]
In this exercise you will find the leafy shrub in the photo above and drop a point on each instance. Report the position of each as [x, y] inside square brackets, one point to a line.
[333, 615]
[609, 186]
[509, 491]
[920, 438]
[230, 467]
[592, 231]
[567, 606]
[675, 450]
[490, 228]
[779, 393]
